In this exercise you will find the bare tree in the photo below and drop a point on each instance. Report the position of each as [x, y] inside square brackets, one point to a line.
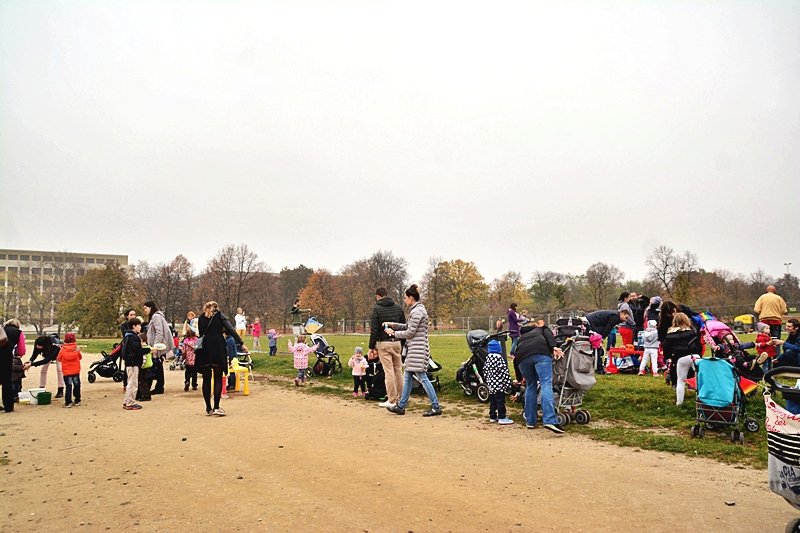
[432, 290]
[601, 280]
[673, 272]
[230, 274]
[386, 270]
[509, 287]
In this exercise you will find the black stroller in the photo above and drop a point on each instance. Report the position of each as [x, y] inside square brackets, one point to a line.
[110, 366]
[433, 368]
[327, 359]
[470, 374]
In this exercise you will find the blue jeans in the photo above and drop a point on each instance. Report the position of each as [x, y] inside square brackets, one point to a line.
[514, 342]
[775, 331]
[72, 383]
[538, 368]
[408, 383]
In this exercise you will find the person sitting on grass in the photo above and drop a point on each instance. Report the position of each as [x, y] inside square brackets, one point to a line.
[498, 380]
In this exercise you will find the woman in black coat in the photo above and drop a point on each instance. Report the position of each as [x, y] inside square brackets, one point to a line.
[212, 358]
[6, 363]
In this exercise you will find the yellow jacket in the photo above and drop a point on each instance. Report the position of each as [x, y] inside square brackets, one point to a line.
[770, 305]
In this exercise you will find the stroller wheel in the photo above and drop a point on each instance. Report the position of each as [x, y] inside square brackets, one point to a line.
[752, 425]
[91, 377]
[562, 418]
[582, 416]
[483, 393]
[117, 377]
[737, 437]
[698, 431]
[793, 526]
[309, 372]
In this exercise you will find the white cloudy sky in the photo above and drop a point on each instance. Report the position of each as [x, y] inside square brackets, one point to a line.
[518, 135]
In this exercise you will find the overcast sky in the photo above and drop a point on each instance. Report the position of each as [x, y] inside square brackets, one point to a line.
[519, 135]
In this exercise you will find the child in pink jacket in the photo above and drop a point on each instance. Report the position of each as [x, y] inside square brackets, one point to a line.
[300, 350]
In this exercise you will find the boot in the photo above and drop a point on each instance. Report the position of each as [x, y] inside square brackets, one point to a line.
[60, 393]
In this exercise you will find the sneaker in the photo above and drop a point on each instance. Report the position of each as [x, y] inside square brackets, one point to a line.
[185, 387]
[194, 388]
[296, 382]
[555, 428]
[641, 373]
[67, 405]
[396, 409]
[530, 426]
[387, 403]
[220, 412]
[505, 421]
[433, 412]
[355, 395]
[132, 407]
[77, 404]
[656, 375]
[492, 419]
[156, 391]
[224, 396]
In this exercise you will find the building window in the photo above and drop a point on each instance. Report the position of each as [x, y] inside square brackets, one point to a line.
[2, 256]
[2, 269]
[79, 260]
[36, 258]
[48, 271]
[47, 283]
[81, 272]
[12, 257]
[48, 258]
[59, 259]
[24, 270]
[36, 271]
[90, 260]
[24, 258]
[12, 269]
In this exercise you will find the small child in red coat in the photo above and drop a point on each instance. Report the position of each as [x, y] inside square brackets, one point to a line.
[763, 344]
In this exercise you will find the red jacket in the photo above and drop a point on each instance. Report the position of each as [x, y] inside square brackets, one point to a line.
[70, 359]
[762, 344]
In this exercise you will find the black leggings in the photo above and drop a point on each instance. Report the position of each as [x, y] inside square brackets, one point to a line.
[206, 372]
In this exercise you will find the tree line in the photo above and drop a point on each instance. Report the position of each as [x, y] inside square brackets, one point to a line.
[236, 277]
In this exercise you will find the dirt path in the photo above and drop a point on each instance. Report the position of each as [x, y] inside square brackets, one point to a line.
[287, 461]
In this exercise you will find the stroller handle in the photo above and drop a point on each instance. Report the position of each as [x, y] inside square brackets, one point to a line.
[782, 371]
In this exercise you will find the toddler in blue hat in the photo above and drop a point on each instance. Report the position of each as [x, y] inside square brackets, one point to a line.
[498, 381]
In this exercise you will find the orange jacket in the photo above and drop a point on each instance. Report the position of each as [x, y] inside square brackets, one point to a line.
[70, 359]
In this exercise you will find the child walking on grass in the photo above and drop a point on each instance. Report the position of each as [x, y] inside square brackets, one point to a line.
[272, 335]
[359, 365]
[650, 339]
[498, 381]
[70, 358]
[300, 351]
[256, 332]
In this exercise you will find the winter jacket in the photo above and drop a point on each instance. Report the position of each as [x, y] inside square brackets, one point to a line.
[132, 351]
[535, 341]
[384, 310]
[624, 306]
[300, 352]
[639, 306]
[770, 306]
[602, 322]
[358, 364]
[664, 325]
[513, 323]
[495, 372]
[158, 331]
[256, 330]
[70, 359]
[6, 352]
[790, 356]
[214, 351]
[188, 350]
[678, 343]
[763, 345]
[17, 368]
[45, 347]
[652, 313]
[415, 333]
[651, 338]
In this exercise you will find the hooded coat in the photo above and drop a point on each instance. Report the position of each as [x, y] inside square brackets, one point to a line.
[415, 333]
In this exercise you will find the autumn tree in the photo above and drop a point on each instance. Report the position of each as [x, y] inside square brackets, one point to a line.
[508, 288]
[463, 286]
[322, 295]
[291, 281]
[601, 281]
[98, 302]
[433, 291]
[548, 290]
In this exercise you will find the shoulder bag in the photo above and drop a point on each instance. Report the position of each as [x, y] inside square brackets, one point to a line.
[199, 344]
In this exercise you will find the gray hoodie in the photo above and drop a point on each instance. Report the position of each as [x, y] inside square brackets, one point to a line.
[651, 337]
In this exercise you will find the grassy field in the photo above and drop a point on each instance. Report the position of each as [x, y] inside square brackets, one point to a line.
[633, 411]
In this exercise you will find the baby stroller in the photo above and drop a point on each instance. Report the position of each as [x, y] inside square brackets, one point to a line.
[376, 381]
[783, 440]
[179, 363]
[470, 374]
[327, 359]
[433, 368]
[110, 366]
[726, 345]
[720, 401]
[573, 377]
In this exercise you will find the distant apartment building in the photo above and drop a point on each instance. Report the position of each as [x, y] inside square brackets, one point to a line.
[36, 281]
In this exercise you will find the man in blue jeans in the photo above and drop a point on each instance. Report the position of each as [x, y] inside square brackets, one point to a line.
[535, 353]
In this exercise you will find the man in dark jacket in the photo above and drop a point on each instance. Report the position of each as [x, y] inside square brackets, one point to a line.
[386, 347]
[535, 352]
[602, 322]
[45, 346]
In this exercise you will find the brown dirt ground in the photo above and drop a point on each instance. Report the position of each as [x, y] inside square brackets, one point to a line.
[287, 461]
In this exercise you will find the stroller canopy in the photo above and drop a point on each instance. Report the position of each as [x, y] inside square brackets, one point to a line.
[716, 382]
[476, 336]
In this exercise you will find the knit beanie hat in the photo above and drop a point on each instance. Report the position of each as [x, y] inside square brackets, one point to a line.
[655, 300]
[652, 323]
[494, 347]
[69, 337]
[359, 350]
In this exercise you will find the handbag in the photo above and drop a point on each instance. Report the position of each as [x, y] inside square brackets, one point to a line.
[199, 344]
[3, 336]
